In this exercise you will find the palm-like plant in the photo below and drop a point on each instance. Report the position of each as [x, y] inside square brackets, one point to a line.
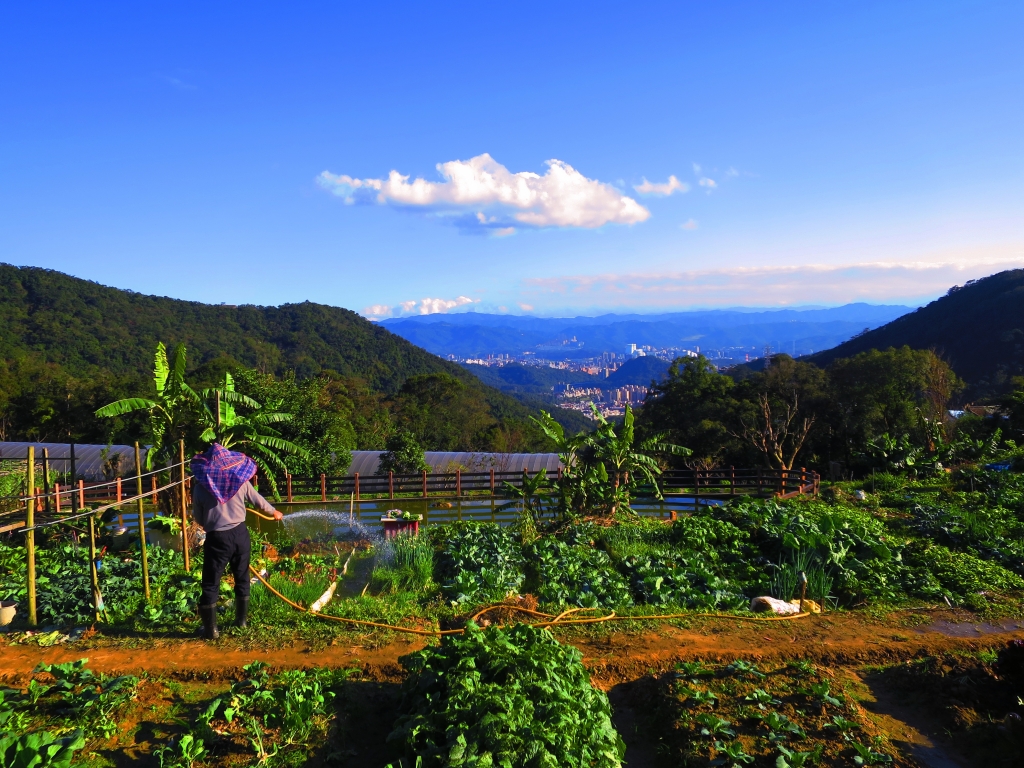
[601, 468]
[626, 460]
[528, 497]
[175, 408]
[253, 433]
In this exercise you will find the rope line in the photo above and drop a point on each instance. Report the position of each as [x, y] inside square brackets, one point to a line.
[103, 508]
[74, 489]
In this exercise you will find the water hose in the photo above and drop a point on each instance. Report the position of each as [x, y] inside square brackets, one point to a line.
[552, 620]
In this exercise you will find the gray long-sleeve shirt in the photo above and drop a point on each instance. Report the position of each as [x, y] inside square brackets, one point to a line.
[214, 516]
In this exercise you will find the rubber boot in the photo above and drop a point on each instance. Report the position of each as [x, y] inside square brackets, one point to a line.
[208, 613]
[241, 612]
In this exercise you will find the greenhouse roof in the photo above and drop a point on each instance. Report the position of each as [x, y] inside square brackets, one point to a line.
[89, 459]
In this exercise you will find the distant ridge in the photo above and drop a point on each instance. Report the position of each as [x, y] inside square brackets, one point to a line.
[978, 328]
[796, 331]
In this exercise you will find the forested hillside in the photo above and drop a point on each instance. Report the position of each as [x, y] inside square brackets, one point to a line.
[80, 325]
[978, 328]
[68, 346]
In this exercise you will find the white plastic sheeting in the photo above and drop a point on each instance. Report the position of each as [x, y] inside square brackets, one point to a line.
[89, 459]
[366, 462]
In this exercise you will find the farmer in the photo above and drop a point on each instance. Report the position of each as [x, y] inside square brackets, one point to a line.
[221, 492]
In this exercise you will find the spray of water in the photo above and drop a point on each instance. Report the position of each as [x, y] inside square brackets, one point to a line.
[328, 524]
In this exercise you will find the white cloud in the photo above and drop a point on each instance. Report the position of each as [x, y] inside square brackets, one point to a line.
[709, 183]
[377, 311]
[690, 224]
[426, 306]
[526, 307]
[768, 285]
[652, 188]
[562, 197]
[433, 306]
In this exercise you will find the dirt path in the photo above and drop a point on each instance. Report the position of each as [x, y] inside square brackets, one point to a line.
[612, 656]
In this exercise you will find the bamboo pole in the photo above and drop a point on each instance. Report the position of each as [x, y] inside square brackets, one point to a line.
[30, 537]
[93, 575]
[184, 511]
[142, 522]
[46, 479]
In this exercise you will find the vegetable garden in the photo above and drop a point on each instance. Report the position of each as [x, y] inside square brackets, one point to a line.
[497, 691]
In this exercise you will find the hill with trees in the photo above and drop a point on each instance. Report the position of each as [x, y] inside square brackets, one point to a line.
[978, 328]
[69, 346]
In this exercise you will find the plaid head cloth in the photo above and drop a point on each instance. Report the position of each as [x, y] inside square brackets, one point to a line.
[222, 472]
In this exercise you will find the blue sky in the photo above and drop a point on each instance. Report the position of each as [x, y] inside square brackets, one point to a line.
[822, 152]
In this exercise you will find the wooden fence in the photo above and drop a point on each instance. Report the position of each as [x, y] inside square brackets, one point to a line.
[693, 485]
[704, 483]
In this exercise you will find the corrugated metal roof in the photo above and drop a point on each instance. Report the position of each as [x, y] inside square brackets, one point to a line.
[88, 458]
[365, 462]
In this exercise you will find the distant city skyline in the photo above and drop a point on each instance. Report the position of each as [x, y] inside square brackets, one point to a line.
[557, 159]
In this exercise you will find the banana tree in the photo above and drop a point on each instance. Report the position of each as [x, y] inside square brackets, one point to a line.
[252, 434]
[602, 467]
[528, 497]
[173, 412]
[627, 460]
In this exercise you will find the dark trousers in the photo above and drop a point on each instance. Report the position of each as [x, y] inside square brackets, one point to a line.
[230, 547]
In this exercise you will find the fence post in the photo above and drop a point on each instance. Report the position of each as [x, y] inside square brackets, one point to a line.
[424, 483]
[323, 487]
[458, 485]
[184, 511]
[492, 484]
[803, 477]
[153, 486]
[732, 480]
[56, 496]
[142, 522]
[391, 484]
[288, 479]
[46, 478]
[81, 494]
[30, 537]
[357, 485]
[118, 488]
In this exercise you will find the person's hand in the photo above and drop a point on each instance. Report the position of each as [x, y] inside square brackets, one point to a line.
[278, 516]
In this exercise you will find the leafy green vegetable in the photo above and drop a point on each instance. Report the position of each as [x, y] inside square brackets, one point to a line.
[504, 698]
[580, 576]
[479, 562]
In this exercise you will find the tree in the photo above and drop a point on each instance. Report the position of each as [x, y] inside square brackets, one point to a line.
[174, 413]
[403, 455]
[894, 392]
[780, 408]
[444, 413]
[692, 406]
[253, 434]
[321, 418]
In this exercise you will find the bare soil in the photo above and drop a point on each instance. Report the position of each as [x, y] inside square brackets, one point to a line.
[892, 658]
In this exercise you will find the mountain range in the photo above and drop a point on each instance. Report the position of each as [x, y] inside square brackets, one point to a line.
[795, 331]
